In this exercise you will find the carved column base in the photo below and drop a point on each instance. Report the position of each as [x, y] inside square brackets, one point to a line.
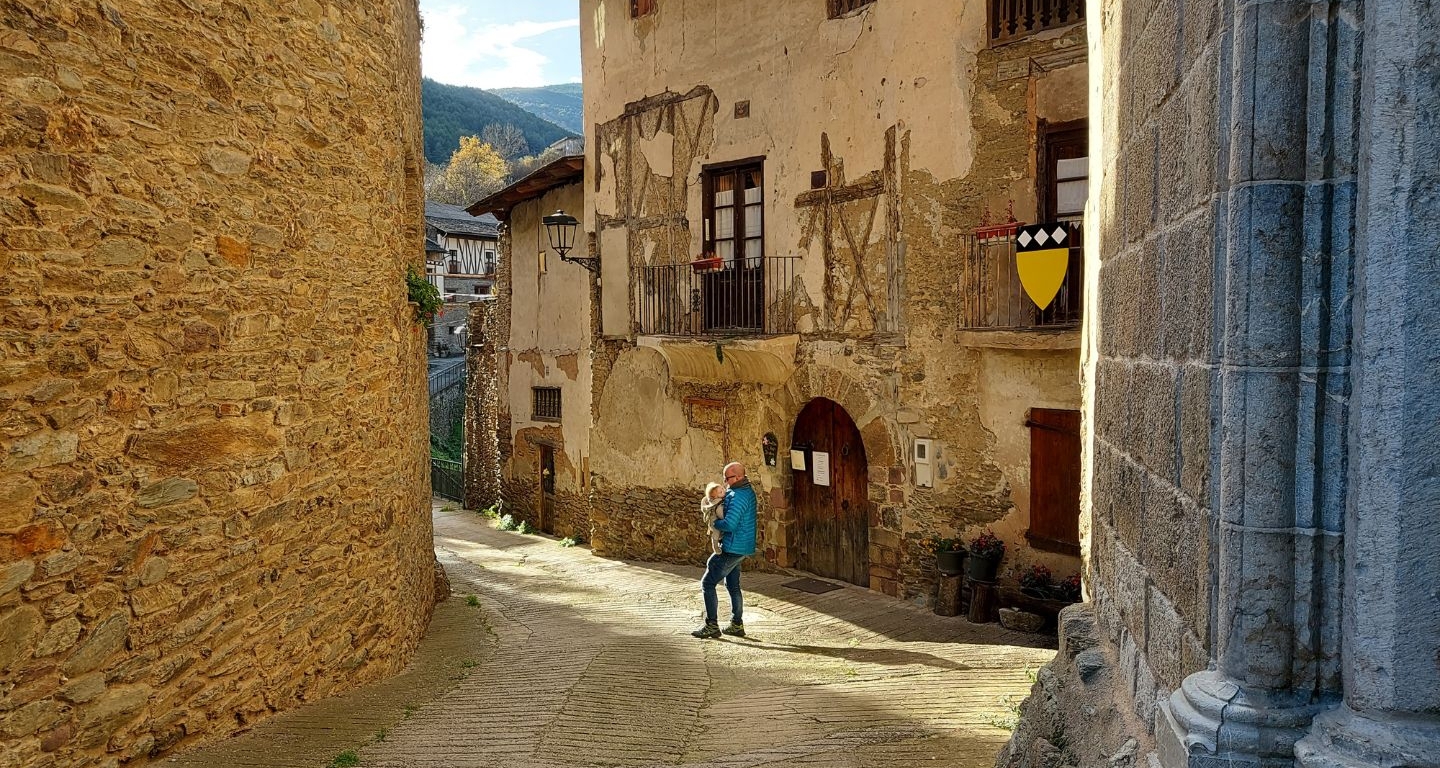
[1214, 722]
[1344, 738]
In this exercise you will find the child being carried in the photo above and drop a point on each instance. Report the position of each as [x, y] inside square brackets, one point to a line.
[712, 508]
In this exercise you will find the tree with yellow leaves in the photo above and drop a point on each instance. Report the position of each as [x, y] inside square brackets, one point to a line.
[474, 171]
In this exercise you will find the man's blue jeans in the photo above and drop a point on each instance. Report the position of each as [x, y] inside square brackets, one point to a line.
[727, 567]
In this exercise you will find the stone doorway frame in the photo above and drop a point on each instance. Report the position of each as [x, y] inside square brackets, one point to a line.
[887, 473]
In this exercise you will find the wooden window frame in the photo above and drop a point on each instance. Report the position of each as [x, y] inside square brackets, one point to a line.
[708, 174]
[536, 404]
[1051, 141]
[841, 8]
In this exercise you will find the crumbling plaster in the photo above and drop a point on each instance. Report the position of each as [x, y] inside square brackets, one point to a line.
[548, 342]
[914, 161]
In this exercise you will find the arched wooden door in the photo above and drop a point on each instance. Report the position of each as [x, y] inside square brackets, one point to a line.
[832, 519]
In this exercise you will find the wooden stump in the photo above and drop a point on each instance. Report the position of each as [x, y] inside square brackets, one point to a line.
[984, 607]
[947, 596]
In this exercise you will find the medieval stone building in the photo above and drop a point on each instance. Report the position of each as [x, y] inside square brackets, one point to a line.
[793, 208]
[213, 497]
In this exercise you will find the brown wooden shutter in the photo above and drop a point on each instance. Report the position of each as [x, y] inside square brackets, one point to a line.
[1054, 480]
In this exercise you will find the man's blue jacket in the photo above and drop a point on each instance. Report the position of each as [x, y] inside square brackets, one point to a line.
[737, 527]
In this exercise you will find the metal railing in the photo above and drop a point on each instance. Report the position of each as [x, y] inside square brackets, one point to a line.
[992, 297]
[447, 479]
[753, 297]
[1012, 19]
[450, 377]
[470, 264]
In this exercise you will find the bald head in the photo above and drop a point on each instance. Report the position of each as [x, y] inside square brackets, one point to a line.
[734, 472]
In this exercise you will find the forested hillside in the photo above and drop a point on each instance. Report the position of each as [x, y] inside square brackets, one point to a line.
[452, 111]
[560, 104]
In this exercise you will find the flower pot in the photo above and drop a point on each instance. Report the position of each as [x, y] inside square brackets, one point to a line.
[707, 264]
[950, 563]
[979, 568]
[1039, 593]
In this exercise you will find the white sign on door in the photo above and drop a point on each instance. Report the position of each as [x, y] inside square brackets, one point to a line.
[820, 467]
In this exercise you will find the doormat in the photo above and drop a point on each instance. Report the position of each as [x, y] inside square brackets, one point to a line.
[813, 586]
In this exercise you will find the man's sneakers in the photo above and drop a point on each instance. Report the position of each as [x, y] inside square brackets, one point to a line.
[712, 631]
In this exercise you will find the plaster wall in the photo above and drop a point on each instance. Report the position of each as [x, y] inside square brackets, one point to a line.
[548, 345]
[923, 133]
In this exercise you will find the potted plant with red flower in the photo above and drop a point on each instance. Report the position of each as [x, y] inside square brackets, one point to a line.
[986, 551]
[1038, 582]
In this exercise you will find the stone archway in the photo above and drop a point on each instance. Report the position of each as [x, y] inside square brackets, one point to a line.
[884, 469]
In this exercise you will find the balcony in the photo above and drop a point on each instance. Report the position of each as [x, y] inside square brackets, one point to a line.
[991, 297]
[470, 264]
[1013, 19]
[742, 297]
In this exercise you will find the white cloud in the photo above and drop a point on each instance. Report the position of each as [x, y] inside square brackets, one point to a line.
[459, 51]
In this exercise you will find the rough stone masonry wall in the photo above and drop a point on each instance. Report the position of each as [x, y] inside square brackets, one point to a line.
[1219, 374]
[482, 409]
[213, 500]
[1152, 520]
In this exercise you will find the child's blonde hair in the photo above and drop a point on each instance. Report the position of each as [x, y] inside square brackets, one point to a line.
[710, 489]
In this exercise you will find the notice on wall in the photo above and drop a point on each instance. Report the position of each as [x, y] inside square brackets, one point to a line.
[797, 460]
[820, 471]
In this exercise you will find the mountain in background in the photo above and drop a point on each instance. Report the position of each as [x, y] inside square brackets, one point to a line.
[560, 104]
[452, 111]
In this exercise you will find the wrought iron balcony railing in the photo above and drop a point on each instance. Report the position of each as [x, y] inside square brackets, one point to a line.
[991, 296]
[742, 297]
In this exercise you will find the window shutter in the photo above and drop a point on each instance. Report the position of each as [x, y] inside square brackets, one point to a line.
[1054, 480]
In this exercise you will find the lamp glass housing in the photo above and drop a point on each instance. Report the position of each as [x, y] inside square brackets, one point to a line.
[560, 228]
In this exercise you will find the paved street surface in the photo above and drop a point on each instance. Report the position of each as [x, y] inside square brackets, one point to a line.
[574, 660]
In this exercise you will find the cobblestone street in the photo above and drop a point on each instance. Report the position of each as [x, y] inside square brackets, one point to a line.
[573, 660]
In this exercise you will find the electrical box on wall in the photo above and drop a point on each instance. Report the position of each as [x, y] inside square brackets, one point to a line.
[923, 454]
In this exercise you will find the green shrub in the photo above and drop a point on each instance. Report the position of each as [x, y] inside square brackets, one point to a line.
[507, 523]
[346, 759]
[426, 296]
[525, 528]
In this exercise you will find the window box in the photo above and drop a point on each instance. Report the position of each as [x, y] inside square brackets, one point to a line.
[708, 263]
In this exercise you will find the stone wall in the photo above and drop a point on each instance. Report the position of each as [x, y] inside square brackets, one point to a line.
[213, 496]
[447, 409]
[444, 341]
[1257, 525]
[483, 426]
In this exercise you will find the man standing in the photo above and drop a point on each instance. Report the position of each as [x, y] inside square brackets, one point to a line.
[737, 542]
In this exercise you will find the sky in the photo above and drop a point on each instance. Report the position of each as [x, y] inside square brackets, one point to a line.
[501, 43]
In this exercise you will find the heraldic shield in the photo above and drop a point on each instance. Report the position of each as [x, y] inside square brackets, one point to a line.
[1042, 255]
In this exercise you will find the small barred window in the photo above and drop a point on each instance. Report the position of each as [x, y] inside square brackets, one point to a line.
[840, 8]
[545, 403]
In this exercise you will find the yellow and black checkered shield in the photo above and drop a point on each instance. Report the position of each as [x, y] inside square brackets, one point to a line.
[1042, 256]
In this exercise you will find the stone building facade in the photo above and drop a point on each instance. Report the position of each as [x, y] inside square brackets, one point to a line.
[845, 156]
[1259, 367]
[213, 496]
[542, 330]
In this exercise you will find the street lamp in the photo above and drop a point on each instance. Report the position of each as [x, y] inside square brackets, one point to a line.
[560, 228]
